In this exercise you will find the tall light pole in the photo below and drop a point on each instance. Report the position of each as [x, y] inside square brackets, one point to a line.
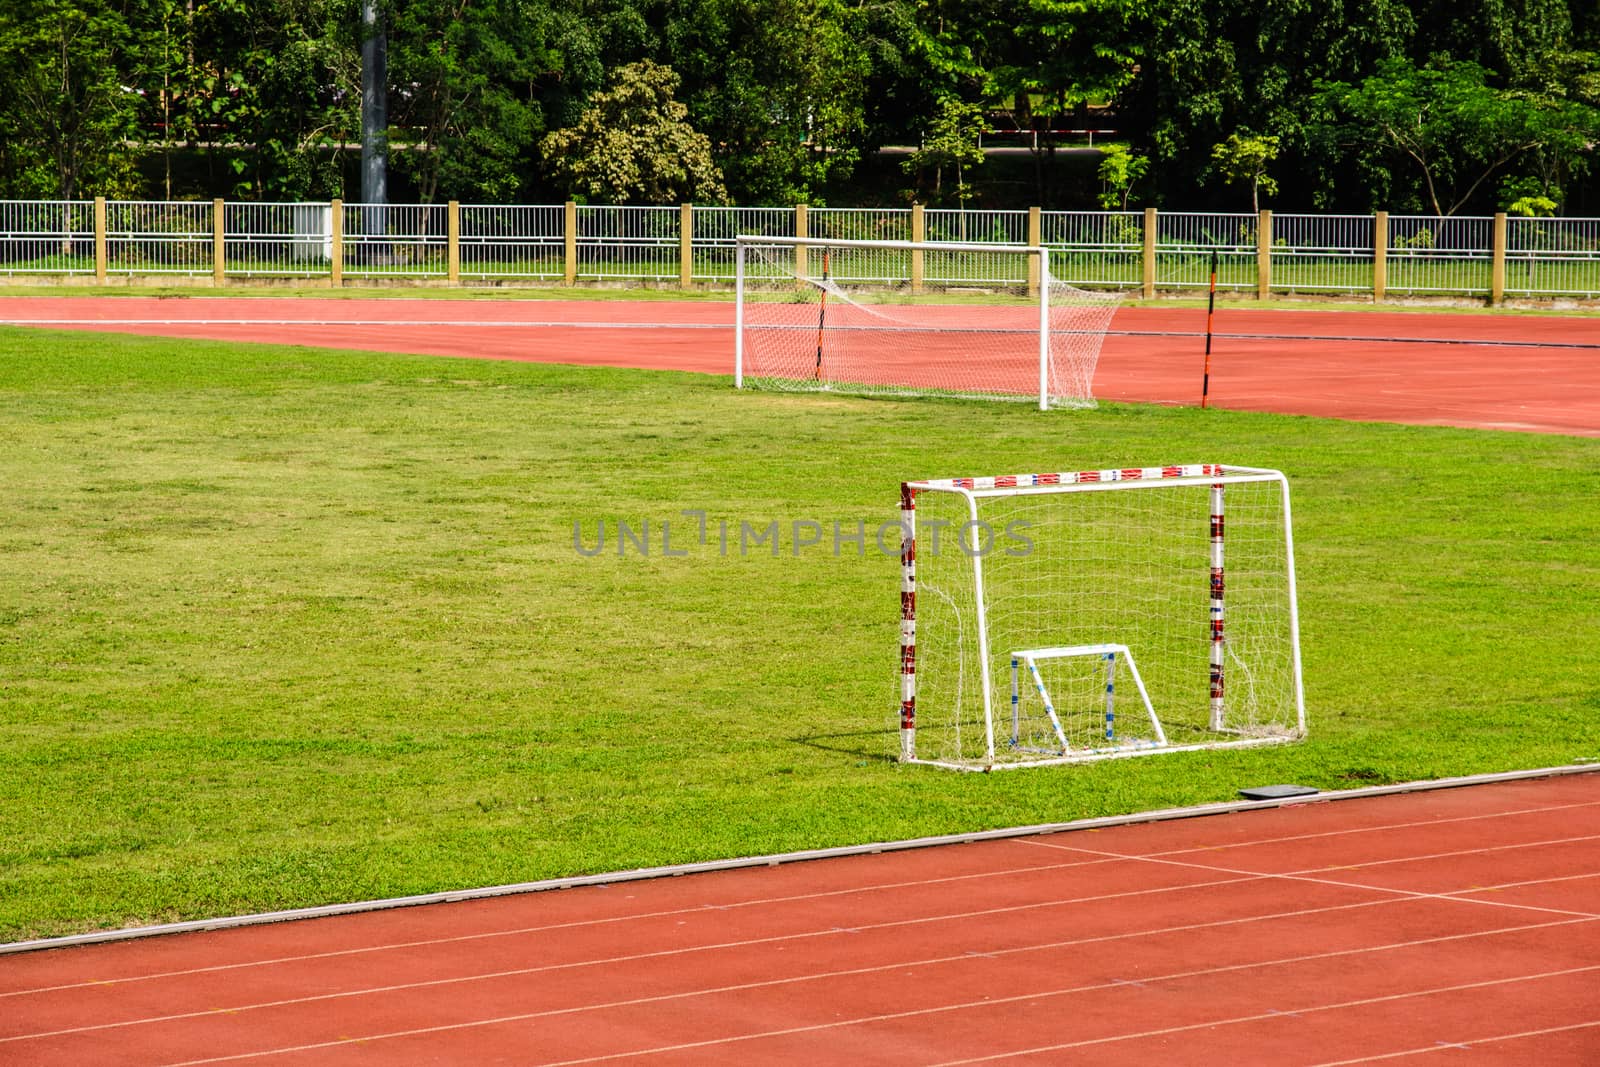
[374, 118]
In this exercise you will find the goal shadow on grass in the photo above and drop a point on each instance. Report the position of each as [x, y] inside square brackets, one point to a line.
[861, 744]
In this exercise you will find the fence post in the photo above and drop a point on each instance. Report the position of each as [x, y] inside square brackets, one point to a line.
[800, 230]
[685, 245]
[1035, 228]
[452, 242]
[569, 273]
[219, 242]
[919, 233]
[1380, 256]
[1148, 270]
[1264, 255]
[336, 252]
[100, 239]
[1497, 264]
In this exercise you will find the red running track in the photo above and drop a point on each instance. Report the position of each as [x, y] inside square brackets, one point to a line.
[1337, 363]
[1458, 926]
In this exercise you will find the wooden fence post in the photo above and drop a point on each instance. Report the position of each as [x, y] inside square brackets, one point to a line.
[1380, 256]
[100, 239]
[1264, 255]
[1148, 269]
[919, 234]
[1035, 230]
[685, 245]
[801, 229]
[219, 241]
[1497, 262]
[569, 271]
[336, 247]
[452, 242]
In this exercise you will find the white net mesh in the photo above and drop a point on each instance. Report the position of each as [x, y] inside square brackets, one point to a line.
[1129, 566]
[909, 319]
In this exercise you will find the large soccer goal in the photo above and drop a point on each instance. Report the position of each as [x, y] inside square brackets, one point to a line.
[1055, 618]
[902, 318]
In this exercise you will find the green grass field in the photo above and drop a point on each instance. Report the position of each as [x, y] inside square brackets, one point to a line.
[284, 627]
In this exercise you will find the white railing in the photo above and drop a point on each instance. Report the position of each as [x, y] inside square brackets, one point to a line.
[1322, 253]
[47, 237]
[1103, 249]
[278, 240]
[159, 237]
[1440, 255]
[1553, 257]
[467, 244]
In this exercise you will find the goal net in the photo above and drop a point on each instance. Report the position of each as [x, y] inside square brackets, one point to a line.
[901, 318]
[1054, 618]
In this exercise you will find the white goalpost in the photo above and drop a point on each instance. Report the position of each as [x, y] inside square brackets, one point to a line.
[1057, 618]
[904, 318]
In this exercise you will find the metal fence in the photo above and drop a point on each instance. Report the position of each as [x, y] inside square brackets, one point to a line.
[1553, 257]
[395, 240]
[1322, 253]
[621, 244]
[159, 237]
[474, 244]
[1099, 249]
[47, 237]
[1439, 256]
[513, 243]
[1186, 243]
[277, 240]
[715, 229]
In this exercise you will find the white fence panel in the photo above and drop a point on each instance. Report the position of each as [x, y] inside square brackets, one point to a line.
[149, 237]
[1095, 249]
[1440, 255]
[395, 240]
[278, 240]
[519, 241]
[1186, 241]
[1322, 253]
[47, 237]
[1553, 257]
[628, 243]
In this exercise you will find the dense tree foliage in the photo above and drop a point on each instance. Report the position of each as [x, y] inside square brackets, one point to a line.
[1408, 105]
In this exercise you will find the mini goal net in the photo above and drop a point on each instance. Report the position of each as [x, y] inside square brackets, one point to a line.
[1055, 618]
[901, 318]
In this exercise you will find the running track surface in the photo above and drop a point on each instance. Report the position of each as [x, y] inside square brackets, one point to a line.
[1459, 926]
[1334, 363]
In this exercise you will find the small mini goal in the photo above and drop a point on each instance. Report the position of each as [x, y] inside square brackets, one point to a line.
[1056, 618]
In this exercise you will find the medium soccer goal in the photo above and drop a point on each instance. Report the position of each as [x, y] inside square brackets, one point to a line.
[903, 318]
[1058, 618]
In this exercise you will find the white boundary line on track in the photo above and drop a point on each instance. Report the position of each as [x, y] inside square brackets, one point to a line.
[777, 859]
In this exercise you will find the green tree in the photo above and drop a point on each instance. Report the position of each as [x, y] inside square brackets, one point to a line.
[1244, 157]
[466, 110]
[1211, 67]
[633, 144]
[1119, 171]
[951, 141]
[780, 88]
[68, 115]
[1048, 59]
[1453, 128]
